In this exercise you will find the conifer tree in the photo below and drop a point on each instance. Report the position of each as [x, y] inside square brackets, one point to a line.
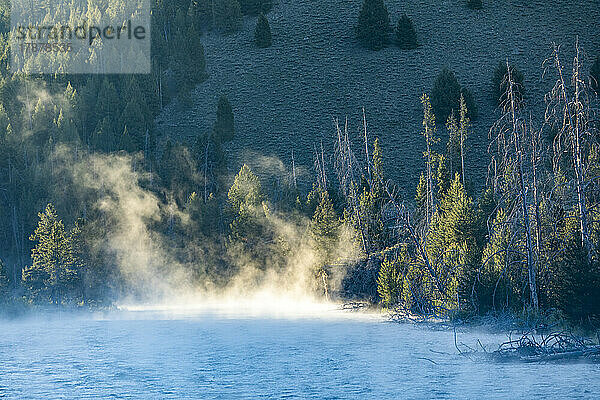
[104, 138]
[445, 94]
[406, 37]
[167, 168]
[54, 270]
[421, 198]
[500, 281]
[371, 202]
[452, 241]
[211, 163]
[464, 124]
[574, 284]
[224, 130]
[262, 33]
[389, 283]
[228, 15]
[373, 25]
[475, 4]
[136, 120]
[324, 227]
[110, 105]
[187, 59]
[445, 97]
[246, 191]
[453, 146]
[250, 238]
[205, 216]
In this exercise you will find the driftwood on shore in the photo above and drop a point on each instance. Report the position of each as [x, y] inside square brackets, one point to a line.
[531, 347]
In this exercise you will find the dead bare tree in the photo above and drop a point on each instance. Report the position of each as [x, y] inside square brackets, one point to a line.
[569, 115]
[347, 170]
[509, 134]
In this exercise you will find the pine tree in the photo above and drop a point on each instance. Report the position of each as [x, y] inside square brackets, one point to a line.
[406, 37]
[246, 190]
[445, 96]
[198, 72]
[228, 15]
[373, 25]
[324, 227]
[475, 4]
[574, 284]
[389, 283]
[500, 84]
[224, 130]
[500, 280]
[54, 272]
[211, 164]
[104, 138]
[109, 102]
[187, 59]
[262, 33]
[421, 198]
[453, 146]
[595, 76]
[250, 238]
[452, 242]
[464, 124]
[371, 202]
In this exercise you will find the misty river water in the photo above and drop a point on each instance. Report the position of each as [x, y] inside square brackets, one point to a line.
[159, 355]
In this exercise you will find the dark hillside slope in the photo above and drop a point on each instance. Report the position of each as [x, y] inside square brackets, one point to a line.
[286, 96]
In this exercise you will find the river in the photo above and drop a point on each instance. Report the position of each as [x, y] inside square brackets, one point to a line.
[160, 355]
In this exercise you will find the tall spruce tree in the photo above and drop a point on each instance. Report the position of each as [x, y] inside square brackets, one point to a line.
[445, 96]
[228, 15]
[187, 60]
[475, 4]
[224, 129]
[373, 25]
[406, 37]
[501, 274]
[389, 283]
[53, 274]
[250, 237]
[371, 202]
[452, 242]
[262, 32]
[324, 227]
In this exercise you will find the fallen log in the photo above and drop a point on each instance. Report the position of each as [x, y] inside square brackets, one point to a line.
[533, 348]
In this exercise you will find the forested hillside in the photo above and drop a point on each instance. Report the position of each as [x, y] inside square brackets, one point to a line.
[286, 97]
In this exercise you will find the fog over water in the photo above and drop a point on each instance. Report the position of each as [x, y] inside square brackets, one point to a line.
[256, 350]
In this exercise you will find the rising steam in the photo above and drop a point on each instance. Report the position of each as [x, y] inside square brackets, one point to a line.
[161, 282]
